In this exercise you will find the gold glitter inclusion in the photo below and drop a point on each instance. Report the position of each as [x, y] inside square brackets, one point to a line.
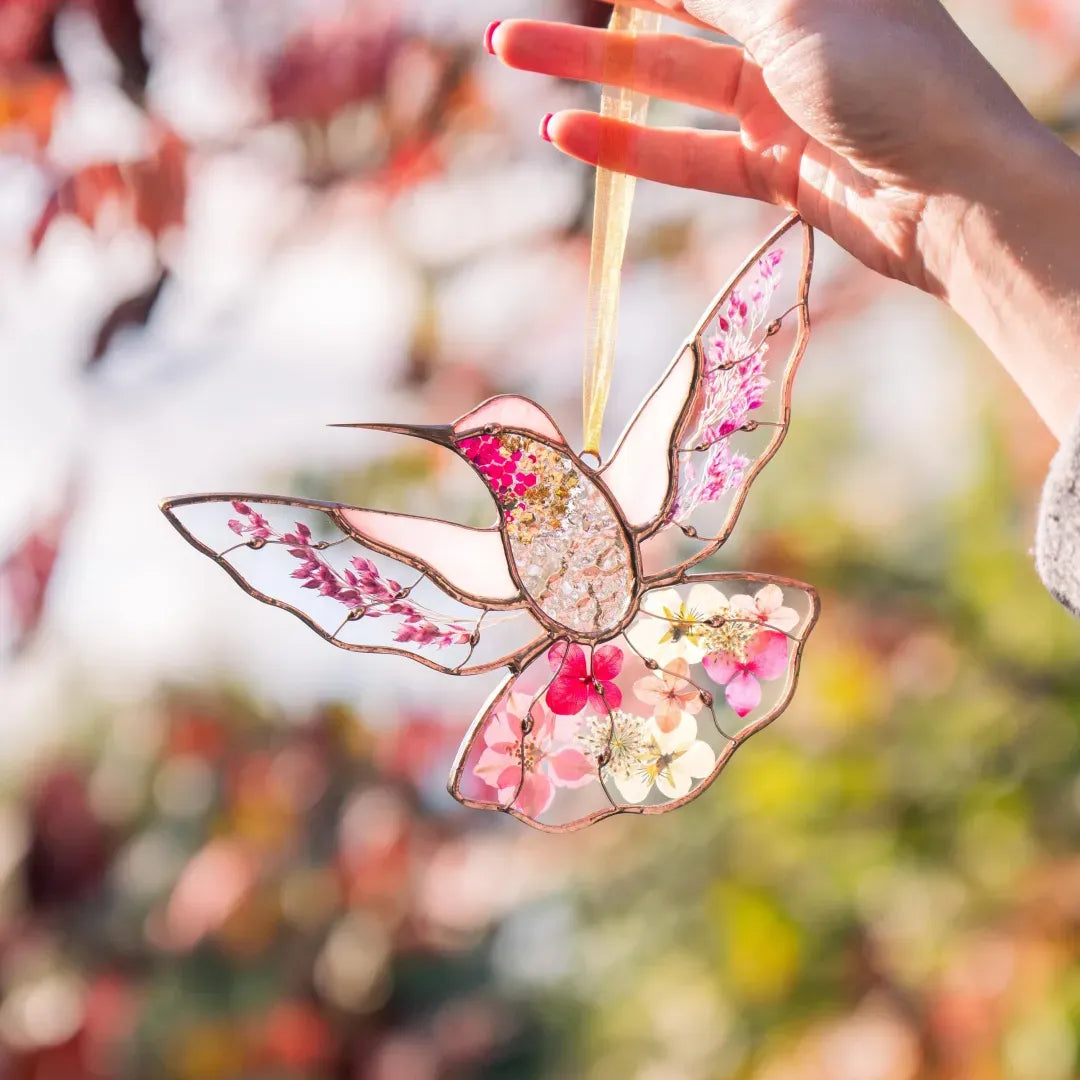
[547, 502]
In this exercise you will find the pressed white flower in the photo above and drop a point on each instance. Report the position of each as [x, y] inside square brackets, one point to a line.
[670, 761]
[620, 737]
[672, 627]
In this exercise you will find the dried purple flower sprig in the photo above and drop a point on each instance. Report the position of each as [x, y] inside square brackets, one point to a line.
[734, 385]
[359, 587]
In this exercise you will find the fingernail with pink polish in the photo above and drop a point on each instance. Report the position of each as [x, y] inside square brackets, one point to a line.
[544, 124]
[489, 36]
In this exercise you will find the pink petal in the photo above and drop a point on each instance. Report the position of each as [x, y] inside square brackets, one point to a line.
[564, 729]
[610, 698]
[509, 778]
[567, 696]
[650, 690]
[607, 663]
[571, 768]
[566, 660]
[692, 701]
[576, 664]
[678, 669]
[668, 718]
[543, 724]
[769, 600]
[491, 767]
[722, 667]
[536, 795]
[556, 654]
[768, 656]
[744, 694]
[504, 729]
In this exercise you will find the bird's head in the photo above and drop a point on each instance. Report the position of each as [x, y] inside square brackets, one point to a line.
[482, 435]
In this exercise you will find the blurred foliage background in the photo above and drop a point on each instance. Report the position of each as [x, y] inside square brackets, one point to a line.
[225, 850]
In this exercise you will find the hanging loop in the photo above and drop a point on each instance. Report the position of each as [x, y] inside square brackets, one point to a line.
[611, 218]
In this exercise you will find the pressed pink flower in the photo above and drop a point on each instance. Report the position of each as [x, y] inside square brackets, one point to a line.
[767, 607]
[671, 695]
[576, 686]
[525, 771]
[765, 659]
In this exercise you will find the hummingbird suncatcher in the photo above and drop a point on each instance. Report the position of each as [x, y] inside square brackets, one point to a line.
[630, 681]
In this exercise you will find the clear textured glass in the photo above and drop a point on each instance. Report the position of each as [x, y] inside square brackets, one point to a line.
[569, 547]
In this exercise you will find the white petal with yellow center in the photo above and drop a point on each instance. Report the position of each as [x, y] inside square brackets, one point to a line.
[677, 627]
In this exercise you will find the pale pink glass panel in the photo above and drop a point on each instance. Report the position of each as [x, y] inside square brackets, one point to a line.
[513, 412]
[472, 561]
[639, 475]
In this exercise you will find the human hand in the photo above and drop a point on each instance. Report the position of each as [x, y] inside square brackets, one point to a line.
[868, 119]
[882, 125]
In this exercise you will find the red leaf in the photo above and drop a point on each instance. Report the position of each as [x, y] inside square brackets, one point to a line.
[331, 65]
[151, 193]
[25, 27]
[25, 575]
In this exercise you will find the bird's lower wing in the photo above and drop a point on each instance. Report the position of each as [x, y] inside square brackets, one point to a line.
[644, 723]
[366, 581]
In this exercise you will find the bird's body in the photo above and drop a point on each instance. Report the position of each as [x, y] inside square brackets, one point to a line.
[567, 545]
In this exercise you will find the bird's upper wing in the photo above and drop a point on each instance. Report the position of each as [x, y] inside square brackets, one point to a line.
[368, 581]
[702, 436]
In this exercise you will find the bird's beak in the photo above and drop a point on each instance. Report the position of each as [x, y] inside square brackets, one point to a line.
[440, 434]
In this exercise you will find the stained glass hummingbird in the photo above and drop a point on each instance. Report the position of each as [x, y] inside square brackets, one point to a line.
[630, 679]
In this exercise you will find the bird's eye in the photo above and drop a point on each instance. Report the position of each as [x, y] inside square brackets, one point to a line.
[491, 429]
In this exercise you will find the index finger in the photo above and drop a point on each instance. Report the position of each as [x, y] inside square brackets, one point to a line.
[673, 66]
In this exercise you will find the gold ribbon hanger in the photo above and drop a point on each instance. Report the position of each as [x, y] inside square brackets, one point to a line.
[611, 216]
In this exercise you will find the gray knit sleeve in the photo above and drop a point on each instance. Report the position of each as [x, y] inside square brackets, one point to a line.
[1057, 546]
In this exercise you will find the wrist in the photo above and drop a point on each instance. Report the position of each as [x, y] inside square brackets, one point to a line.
[1004, 253]
[995, 200]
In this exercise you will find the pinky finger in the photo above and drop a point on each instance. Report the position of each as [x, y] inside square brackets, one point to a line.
[683, 157]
